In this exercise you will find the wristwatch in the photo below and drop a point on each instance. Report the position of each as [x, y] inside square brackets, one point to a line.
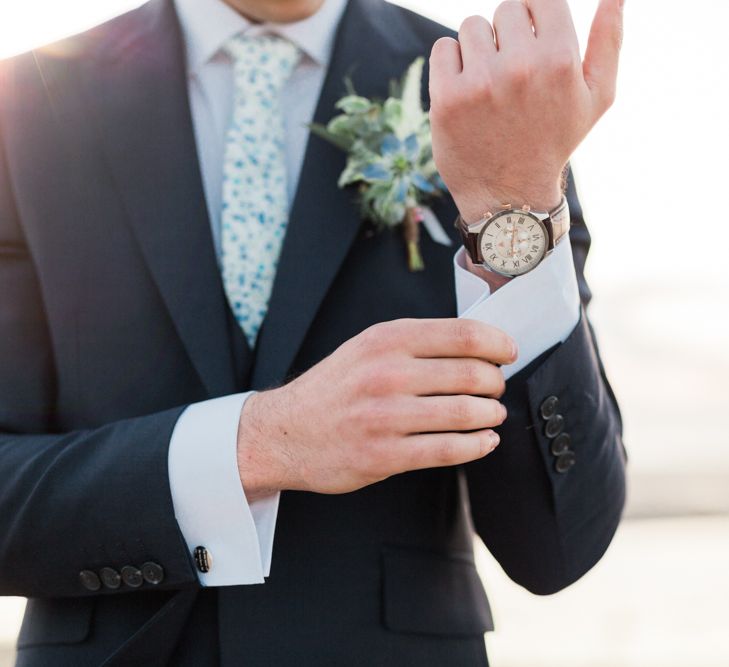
[514, 241]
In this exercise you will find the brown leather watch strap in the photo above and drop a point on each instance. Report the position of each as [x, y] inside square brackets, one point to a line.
[470, 241]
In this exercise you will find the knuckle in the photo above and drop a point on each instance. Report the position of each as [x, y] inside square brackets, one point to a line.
[369, 339]
[480, 90]
[378, 337]
[375, 380]
[501, 342]
[463, 412]
[473, 22]
[442, 44]
[563, 64]
[506, 6]
[518, 72]
[609, 96]
[446, 451]
[497, 382]
[374, 417]
[605, 98]
[471, 375]
[466, 335]
[500, 382]
[617, 37]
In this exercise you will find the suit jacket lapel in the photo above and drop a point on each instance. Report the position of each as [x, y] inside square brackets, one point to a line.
[324, 220]
[147, 133]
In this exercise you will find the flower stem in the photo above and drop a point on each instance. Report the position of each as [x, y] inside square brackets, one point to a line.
[411, 232]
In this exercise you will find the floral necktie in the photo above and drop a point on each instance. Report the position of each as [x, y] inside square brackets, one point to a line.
[255, 204]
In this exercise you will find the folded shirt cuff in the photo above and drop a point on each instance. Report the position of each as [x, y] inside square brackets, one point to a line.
[209, 501]
[538, 310]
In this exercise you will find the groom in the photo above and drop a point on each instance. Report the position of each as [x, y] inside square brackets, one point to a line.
[194, 319]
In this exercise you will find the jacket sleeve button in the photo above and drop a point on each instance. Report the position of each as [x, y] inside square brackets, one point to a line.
[110, 578]
[90, 580]
[565, 462]
[560, 444]
[132, 576]
[554, 426]
[548, 407]
[153, 573]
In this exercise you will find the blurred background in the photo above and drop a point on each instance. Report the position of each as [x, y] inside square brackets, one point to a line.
[652, 178]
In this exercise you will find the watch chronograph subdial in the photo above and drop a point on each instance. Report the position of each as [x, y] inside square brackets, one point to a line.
[513, 243]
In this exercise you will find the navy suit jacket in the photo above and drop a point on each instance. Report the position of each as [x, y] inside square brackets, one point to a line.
[113, 319]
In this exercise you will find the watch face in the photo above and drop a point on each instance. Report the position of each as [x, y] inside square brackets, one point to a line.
[513, 242]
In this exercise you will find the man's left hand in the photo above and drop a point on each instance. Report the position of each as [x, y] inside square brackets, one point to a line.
[509, 105]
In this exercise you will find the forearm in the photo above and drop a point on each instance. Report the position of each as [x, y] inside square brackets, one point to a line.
[545, 527]
[87, 500]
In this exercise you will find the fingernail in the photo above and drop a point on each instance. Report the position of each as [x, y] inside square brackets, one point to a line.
[514, 350]
[504, 412]
[494, 440]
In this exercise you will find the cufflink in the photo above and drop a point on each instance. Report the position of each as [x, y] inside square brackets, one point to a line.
[203, 559]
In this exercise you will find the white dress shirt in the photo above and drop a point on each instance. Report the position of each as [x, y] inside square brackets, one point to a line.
[538, 310]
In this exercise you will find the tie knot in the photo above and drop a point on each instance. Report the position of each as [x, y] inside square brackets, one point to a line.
[269, 56]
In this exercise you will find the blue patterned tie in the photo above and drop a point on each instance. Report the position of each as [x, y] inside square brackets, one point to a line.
[255, 204]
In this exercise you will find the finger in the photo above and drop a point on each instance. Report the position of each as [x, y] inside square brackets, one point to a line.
[476, 37]
[600, 66]
[553, 21]
[448, 377]
[513, 27]
[440, 414]
[434, 450]
[445, 64]
[453, 337]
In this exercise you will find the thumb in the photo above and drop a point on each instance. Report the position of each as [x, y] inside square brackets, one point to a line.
[600, 67]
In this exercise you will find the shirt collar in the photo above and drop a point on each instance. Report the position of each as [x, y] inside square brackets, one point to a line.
[208, 24]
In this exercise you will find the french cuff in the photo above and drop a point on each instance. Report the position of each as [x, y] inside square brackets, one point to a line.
[209, 501]
[538, 310]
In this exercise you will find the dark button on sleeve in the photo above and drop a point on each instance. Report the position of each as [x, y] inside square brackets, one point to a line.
[203, 559]
[548, 407]
[560, 444]
[565, 461]
[110, 577]
[132, 576]
[554, 426]
[153, 573]
[90, 580]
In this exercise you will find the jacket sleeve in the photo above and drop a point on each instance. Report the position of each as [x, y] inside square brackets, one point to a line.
[79, 501]
[548, 515]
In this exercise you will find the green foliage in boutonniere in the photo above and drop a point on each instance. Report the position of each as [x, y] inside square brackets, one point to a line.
[389, 156]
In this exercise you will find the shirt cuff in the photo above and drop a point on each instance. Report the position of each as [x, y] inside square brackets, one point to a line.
[538, 310]
[209, 502]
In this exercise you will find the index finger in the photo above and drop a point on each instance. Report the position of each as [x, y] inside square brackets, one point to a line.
[456, 337]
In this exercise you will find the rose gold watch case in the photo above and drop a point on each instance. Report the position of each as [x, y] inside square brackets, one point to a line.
[487, 224]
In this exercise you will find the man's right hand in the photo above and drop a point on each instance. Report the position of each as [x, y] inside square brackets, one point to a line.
[400, 396]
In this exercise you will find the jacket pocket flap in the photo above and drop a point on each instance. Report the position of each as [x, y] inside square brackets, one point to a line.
[433, 593]
[55, 621]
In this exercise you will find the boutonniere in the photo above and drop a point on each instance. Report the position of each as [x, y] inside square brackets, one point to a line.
[390, 159]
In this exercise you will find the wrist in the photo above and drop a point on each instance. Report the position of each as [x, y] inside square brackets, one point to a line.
[492, 279]
[259, 468]
[473, 205]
